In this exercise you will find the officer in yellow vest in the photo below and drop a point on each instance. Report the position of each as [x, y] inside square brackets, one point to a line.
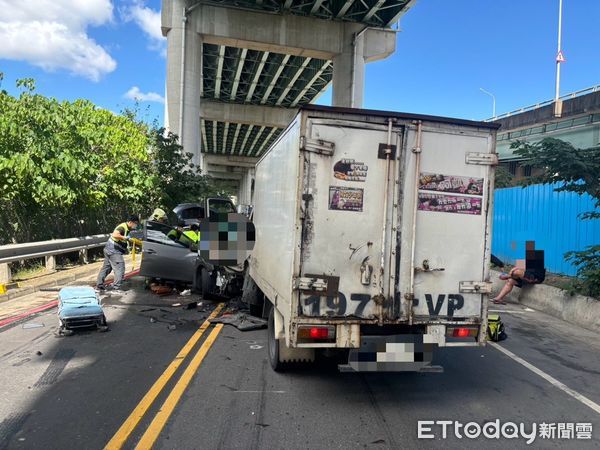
[114, 249]
[191, 236]
[176, 232]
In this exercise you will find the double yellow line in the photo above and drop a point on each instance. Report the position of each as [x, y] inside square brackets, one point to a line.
[149, 437]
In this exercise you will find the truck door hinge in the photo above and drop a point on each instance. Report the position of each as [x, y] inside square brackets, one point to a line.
[475, 287]
[317, 146]
[482, 159]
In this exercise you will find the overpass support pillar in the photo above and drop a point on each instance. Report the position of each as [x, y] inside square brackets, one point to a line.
[245, 190]
[184, 77]
[359, 48]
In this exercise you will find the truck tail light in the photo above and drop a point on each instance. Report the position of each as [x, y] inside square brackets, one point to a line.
[316, 332]
[462, 332]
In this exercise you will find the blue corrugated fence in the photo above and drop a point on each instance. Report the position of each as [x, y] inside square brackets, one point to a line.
[538, 213]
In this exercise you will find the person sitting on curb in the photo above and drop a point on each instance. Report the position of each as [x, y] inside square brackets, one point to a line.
[518, 277]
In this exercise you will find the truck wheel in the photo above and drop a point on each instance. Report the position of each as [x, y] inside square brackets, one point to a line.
[273, 344]
[280, 356]
[253, 297]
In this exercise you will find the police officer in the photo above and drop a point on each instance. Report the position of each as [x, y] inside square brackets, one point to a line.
[114, 249]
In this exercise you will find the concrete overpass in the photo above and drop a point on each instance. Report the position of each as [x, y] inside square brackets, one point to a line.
[238, 70]
[578, 124]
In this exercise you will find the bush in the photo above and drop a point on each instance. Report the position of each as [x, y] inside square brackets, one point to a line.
[72, 169]
[588, 270]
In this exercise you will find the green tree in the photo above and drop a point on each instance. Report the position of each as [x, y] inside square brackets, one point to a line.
[71, 168]
[574, 170]
[178, 179]
[503, 178]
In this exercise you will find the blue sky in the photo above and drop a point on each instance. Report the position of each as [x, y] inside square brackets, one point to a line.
[446, 51]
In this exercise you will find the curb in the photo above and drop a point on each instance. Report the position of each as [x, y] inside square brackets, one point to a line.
[24, 315]
[66, 278]
[26, 290]
[10, 320]
[577, 309]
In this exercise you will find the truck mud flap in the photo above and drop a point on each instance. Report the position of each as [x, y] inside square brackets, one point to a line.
[397, 353]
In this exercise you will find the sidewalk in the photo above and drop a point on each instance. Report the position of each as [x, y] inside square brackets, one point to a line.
[31, 295]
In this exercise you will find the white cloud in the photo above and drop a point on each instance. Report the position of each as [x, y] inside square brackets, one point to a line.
[135, 94]
[149, 22]
[51, 34]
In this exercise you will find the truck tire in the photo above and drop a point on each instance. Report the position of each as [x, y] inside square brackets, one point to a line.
[281, 356]
[273, 344]
[253, 297]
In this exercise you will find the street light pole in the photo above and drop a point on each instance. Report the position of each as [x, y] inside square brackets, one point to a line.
[559, 59]
[558, 53]
[493, 101]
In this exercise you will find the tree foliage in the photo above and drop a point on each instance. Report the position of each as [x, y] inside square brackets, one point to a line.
[503, 178]
[575, 170]
[71, 168]
[178, 180]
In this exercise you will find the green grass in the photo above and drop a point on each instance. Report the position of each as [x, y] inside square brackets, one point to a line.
[28, 271]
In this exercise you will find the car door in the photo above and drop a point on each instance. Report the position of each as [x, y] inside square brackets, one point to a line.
[165, 258]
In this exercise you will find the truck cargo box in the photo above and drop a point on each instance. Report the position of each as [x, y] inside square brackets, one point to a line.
[373, 223]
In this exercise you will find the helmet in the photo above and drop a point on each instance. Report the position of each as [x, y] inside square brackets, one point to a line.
[159, 214]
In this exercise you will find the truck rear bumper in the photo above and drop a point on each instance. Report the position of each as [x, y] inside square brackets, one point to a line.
[396, 353]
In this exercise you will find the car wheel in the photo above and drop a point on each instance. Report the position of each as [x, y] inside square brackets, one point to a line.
[207, 282]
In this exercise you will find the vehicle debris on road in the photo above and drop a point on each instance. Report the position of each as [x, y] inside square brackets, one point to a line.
[242, 321]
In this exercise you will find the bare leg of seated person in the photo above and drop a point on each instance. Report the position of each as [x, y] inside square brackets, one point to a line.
[515, 274]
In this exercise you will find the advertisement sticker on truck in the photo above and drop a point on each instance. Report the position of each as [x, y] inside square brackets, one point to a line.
[350, 170]
[345, 199]
[451, 184]
[449, 203]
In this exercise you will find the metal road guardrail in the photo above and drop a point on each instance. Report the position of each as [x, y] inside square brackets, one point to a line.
[20, 252]
[44, 249]
[547, 102]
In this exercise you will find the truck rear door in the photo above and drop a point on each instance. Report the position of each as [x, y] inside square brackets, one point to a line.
[343, 197]
[452, 228]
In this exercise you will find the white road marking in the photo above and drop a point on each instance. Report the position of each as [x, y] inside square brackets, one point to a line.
[553, 381]
[259, 392]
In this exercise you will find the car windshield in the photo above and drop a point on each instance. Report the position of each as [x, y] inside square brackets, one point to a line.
[194, 212]
[221, 206]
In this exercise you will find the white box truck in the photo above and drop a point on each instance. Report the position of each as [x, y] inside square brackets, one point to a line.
[373, 237]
